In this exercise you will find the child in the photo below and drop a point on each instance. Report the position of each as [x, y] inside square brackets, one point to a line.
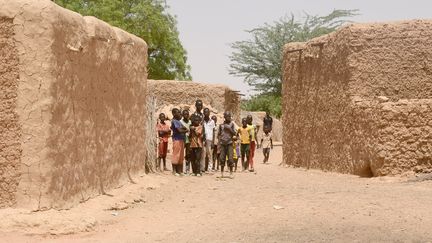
[178, 138]
[253, 143]
[164, 132]
[236, 152]
[216, 150]
[208, 125]
[267, 144]
[196, 144]
[186, 123]
[244, 132]
[226, 134]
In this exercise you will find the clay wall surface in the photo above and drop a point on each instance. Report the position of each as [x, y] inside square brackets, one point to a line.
[10, 132]
[81, 95]
[334, 92]
[178, 93]
[391, 59]
[405, 137]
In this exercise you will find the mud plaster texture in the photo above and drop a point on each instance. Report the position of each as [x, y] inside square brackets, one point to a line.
[72, 97]
[10, 131]
[183, 94]
[359, 100]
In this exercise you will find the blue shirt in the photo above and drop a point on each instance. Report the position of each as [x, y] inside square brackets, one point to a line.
[175, 125]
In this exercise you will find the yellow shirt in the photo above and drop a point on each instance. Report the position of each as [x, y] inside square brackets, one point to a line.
[245, 134]
[252, 131]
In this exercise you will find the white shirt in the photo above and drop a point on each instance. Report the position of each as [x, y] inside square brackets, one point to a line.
[208, 129]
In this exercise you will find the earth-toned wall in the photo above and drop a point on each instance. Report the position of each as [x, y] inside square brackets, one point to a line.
[219, 98]
[10, 131]
[75, 111]
[336, 90]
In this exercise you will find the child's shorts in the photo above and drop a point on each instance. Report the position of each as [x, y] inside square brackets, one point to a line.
[266, 150]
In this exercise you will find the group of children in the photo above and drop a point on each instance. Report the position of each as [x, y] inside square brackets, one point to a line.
[205, 146]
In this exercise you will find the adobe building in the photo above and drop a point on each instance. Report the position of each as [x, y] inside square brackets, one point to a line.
[181, 94]
[359, 100]
[72, 95]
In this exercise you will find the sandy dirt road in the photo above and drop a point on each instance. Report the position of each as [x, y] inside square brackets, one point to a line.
[274, 204]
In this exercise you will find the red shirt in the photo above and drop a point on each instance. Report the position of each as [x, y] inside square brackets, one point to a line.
[163, 128]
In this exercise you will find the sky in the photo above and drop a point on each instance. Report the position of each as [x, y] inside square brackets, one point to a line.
[207, 27]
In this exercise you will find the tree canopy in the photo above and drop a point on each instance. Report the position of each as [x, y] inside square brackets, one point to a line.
[149, 20]
[259, 60]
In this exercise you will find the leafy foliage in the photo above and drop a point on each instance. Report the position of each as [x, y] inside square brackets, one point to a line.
[264, 102]
[259, 60]
[149, 20]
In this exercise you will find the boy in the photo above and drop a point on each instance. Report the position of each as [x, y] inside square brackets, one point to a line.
[216, 150]
[236, 152]
[178, 138]
[267, 144]
[209, 126]
[196, 144]
[226, 135]
[198, 108]
[186, 123]
[253, 143]
[268, 121]
[164, 132]
[244, 132]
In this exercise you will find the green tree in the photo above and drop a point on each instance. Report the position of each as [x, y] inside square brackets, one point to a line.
[149, 20]
[259, 59]
[264, 102]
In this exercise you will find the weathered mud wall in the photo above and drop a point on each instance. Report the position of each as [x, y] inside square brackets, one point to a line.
[405, 137]
[10, 132]
[81, 87]
[219, 97]
[335, 88]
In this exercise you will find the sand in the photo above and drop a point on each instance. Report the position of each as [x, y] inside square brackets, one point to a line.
[275, 204]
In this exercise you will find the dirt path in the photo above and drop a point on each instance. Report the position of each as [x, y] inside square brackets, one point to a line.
[314, 207]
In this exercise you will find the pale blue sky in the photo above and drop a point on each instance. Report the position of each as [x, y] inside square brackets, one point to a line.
[208, 26]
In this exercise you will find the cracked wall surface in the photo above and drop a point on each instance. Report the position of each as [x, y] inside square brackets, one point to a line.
[358, 100]
[80, 102]
[219, 97]
[10, 130]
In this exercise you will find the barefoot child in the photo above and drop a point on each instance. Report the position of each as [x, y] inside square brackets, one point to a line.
[226, 134]
[208, 125]
[244, 132]
[254, 142]
[164, 132]
[196, 144]
[216, 150]
[186, 123]
[267, 144]
[236, 152]
[178, 138]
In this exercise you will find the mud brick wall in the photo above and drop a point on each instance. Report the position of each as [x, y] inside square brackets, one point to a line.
[219, 97]
[76, 120]
[10, 132]
[334, 88]
[405, 137]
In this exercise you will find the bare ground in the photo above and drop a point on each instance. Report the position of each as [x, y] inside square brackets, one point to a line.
[274, 204]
